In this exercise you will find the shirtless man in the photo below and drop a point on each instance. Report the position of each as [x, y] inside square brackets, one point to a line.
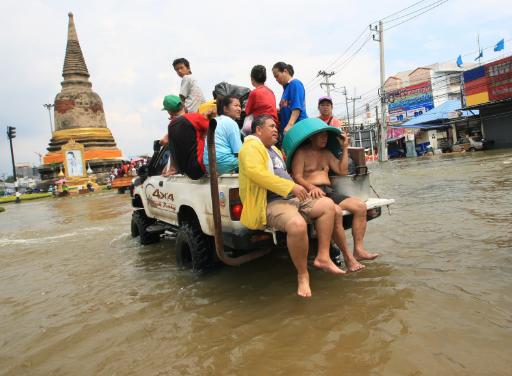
[311, 165]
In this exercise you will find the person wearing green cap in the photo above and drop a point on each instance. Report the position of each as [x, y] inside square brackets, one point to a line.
[174, 107]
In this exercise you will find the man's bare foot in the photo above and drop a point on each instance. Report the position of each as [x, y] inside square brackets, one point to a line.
[328, 266]
[364, 255]
[303, 288]
[352, 264]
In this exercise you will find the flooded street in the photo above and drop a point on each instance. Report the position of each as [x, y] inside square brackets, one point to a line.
[79, 296]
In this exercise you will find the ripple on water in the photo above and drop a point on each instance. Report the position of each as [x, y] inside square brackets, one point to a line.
[79, 295]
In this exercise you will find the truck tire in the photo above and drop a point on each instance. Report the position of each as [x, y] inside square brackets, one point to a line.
[139, 225]
[194, 248]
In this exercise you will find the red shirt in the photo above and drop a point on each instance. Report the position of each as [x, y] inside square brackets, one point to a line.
[332, 121]
[200, 124]
[262, 101]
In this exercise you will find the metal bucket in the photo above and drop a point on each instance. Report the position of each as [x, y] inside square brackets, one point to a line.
[352, 185]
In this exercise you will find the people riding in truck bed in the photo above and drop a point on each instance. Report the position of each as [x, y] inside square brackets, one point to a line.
[227, 137]
[261, 101]
[325, 108]
[271, 198]
[292, 107]
[310, 166]
[190, 92]
[186, 135]
[175, 108]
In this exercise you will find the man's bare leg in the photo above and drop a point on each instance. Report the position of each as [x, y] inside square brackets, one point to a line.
[323, 213]
[341, 241]
[297, 243]
[358, 210]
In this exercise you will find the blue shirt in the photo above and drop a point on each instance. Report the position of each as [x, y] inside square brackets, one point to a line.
[294, 98]
[227, 144]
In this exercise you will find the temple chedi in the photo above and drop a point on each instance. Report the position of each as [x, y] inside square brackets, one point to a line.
[79, 118]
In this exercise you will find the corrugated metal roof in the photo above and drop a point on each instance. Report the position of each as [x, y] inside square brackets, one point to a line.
[435, 116]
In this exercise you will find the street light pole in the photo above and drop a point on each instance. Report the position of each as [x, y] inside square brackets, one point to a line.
[49, 106]
[11, 133]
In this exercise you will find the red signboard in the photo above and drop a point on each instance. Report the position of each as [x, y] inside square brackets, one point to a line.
[488, 83]
[500, 79]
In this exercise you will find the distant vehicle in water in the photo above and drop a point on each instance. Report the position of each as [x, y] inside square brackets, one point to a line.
[469, 144]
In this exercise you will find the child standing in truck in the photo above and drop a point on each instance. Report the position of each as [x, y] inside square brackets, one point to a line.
[190, 92]
[262, 100]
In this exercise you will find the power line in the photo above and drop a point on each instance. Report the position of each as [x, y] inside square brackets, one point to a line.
[341, 55]
[401, 10]
[415, 11]
[410, 18]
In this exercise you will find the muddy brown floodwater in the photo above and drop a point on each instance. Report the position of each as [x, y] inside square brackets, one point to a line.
[79, 296]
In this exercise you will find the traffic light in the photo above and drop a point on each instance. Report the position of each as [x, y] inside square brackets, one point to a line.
[11, 132]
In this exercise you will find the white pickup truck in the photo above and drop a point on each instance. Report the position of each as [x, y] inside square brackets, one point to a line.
[204, 218]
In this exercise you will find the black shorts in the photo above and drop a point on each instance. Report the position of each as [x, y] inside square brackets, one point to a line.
[332, 194]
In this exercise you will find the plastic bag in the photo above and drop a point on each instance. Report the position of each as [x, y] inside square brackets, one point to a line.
[222, 89]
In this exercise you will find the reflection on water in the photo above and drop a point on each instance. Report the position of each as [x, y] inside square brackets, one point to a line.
[78, 295]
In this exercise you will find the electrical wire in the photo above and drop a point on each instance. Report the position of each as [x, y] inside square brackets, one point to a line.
[417, 15]
[416, 11]
[345, 62]
[401, 10]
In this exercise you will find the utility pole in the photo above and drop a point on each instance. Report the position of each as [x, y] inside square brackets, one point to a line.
[11, 133]
[49, 106]
[383, 150]
[344, 92]
[353, 100]
[327, 84]
[377, 130]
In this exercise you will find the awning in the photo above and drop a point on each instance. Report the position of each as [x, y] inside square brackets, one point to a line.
[393, 139]
[438, 116]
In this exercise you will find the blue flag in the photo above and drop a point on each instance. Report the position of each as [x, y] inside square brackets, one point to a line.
[459, 61]
[480, 55]
[500, 45]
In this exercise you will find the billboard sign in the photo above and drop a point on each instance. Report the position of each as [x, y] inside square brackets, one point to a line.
[410, 101]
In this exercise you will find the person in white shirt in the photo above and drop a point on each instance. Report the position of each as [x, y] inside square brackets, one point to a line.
[190, 92]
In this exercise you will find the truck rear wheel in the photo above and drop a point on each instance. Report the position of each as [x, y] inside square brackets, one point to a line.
[139, 226]
[193, 248]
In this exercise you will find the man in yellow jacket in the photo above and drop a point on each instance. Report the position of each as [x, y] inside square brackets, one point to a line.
[272, 199]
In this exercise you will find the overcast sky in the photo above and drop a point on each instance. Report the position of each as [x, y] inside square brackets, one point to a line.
[129, 46]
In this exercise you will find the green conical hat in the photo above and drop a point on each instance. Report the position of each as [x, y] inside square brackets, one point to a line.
[303, 130]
